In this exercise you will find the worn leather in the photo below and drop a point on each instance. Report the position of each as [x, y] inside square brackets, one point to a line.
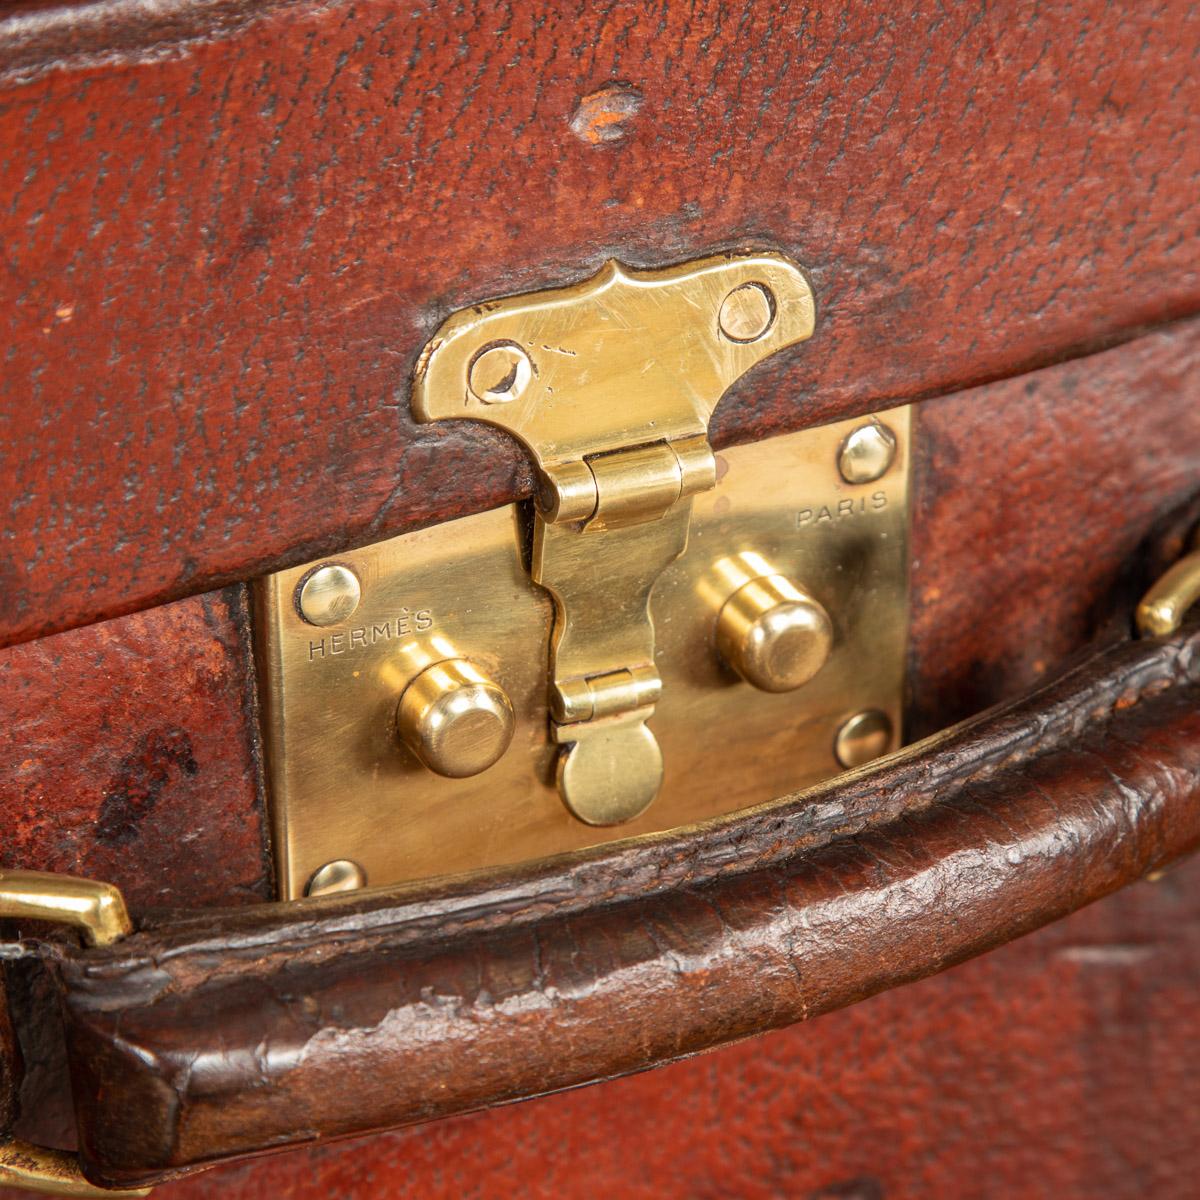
[129, 753]
[226, 1033]
[229, 227]
[10, 1063]
[1059, 1067]
[231, 223]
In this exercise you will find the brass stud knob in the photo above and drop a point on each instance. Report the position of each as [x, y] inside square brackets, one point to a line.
[771, 632]
[455, 719]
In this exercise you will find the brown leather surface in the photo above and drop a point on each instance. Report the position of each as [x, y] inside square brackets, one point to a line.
[1063, 1066]
[43, 1113]
[1043, 507]
[229, 232]
[267, 1025]
[129, 753]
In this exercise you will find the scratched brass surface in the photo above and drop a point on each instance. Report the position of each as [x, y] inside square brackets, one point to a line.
[623, 358]
[344, 787]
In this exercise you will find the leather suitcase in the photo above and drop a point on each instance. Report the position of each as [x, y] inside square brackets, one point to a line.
[240, 244]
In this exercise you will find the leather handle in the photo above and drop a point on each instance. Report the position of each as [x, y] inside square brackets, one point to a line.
[221, 1034]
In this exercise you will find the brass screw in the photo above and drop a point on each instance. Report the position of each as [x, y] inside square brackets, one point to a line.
[341, 875]
[499, 373]
[867, 453]
[329, 595]
[747, 313]
[865, 736]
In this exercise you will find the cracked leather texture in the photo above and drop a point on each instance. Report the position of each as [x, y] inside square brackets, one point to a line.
[231, 1032]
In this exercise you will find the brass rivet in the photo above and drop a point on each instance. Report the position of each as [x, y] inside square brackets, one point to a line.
[747, 312]
[865, 736]
[329, 595]
[866, 453]
[341, 875]
[499, 373]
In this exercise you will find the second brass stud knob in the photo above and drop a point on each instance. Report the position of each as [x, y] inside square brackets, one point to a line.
[771, 632]
[455, 719]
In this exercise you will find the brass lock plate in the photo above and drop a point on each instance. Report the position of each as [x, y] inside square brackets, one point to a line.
[353, 803]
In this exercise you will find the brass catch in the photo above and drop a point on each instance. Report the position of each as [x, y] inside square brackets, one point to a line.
[610, 385]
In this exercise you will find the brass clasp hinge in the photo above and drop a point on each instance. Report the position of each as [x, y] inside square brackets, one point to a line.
[610, 385]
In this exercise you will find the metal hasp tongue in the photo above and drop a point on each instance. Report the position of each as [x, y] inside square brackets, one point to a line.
[610, 385]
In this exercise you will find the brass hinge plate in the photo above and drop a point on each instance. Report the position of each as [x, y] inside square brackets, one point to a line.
[353, 803]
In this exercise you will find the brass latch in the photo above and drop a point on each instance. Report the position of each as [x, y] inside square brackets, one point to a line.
[610, 384]
[668, 634]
